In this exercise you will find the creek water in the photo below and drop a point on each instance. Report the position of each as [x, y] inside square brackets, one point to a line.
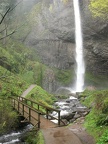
[15, 137]
[67, 107]
[80, 66]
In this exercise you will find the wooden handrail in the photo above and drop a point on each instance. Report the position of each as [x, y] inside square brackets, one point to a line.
[47, 109]
[53, 109]
[31, 107]
[25, 105]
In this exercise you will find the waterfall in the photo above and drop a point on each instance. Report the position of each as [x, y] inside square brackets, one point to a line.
[80, 68]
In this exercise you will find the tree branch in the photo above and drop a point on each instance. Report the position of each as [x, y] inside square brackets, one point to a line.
[8, 35]
[9, 10]
[3, 19]
[3, 16]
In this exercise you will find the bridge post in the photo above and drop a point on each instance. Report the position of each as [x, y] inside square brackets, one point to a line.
[59, 118]
[38, 120]
[18, 106]
[14, 103]
[38, 106]
[46, 113]
[23, 109]
[29, 114]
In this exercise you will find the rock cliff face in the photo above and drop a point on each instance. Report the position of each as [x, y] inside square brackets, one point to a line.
[95, 41]
[54, 36]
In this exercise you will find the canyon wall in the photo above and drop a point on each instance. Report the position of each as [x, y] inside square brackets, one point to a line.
[54, 36]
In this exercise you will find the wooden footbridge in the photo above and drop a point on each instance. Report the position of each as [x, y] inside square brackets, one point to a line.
[32, 112]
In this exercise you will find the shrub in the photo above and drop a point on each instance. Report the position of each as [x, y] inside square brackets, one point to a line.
[8, 117]
[104, 138]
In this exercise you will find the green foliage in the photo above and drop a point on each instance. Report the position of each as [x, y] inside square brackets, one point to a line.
[10, 84]
[64, 76]
[99, 8]
[40, 138]
[16, 58]
[98, 81]
[11, 59]
[34, 72]
[65, 1]
[97, 120]
[37, 139]
[28, 76]
[8, 118]
[104, 138]
[38, 73]
[89, 98]
[41, 96]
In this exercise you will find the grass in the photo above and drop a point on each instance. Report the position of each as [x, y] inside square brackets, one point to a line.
[40, 138]
[96, 122]
[41, 96]
[35, 138]
[11, 84]
[28, 77]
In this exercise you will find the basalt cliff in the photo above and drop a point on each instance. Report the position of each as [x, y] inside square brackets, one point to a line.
[54, 36]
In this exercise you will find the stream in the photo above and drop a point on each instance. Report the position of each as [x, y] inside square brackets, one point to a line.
[70, 108]
[15, 137]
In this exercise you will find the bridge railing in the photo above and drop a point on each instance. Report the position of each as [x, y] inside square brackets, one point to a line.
[26, 111]
[37, 107]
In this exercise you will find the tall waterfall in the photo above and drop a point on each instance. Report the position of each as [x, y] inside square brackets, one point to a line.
[80, 68]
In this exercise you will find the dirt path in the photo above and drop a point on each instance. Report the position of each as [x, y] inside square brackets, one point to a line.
[80, 131]
[74, 134]
[28, 90]
[61, 135]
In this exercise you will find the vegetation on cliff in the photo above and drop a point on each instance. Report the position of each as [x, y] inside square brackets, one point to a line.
[19, 67]
[99, 8]
[16, 61]
[97, 120]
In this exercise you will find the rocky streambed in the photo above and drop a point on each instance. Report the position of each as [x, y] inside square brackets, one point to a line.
[71, 109]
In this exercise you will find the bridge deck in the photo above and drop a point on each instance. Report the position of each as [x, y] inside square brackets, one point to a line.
[32, 115]
[44, 123]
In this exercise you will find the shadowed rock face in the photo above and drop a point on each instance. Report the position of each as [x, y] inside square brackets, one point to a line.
[95, 31]
[54, 36]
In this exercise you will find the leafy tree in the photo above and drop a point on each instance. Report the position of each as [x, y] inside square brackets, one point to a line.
[99, 8]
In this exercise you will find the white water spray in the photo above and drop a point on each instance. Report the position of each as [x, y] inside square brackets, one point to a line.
[79, 49]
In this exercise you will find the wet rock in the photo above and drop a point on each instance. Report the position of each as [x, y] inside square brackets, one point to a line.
[72, 94]
[68, 101]
[77, 116]
[85, 113]
[68, 116]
